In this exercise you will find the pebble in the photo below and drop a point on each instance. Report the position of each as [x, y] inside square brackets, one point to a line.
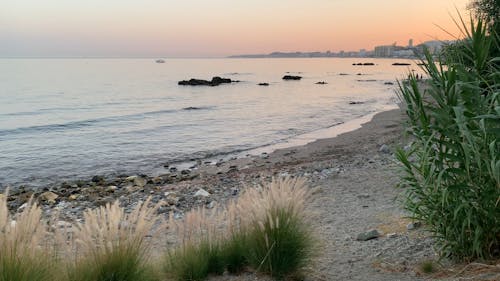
[49, 197]
[140, 181]
[132, 188]
[385, 149]
[392, 235]
[368, 235]
[201, 193]
[413, 225]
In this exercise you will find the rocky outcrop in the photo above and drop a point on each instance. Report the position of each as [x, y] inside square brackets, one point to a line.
[216, 81]
[291, 77]
[366, 63]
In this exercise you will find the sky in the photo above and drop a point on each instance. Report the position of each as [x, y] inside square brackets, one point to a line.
[215, 28]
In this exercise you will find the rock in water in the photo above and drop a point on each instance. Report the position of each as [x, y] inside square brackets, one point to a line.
[368, 235]
[216, 81]
[291, 77]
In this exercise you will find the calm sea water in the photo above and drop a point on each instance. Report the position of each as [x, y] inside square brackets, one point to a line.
[62, 119]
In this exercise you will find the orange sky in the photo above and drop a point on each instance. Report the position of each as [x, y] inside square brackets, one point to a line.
[197, 28]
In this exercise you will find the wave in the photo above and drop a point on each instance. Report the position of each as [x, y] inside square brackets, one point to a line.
[92, 122]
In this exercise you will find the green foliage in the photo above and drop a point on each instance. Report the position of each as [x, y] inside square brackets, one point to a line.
[195, 262]
[452, 172]
[265, 229]
[234, 252]
[427, 266]
[25, 269]
[280, 245]
[119, 265]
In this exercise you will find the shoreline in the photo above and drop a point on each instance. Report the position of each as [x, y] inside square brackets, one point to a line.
[193, 165]
[307, 149]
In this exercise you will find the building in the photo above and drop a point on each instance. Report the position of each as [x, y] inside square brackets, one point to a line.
[384, 51]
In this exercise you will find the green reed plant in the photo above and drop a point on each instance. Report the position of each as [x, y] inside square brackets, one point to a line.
[452, 171]
[23, 255]
[113, 245]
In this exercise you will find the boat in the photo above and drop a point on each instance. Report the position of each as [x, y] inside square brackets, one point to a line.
[160, 61]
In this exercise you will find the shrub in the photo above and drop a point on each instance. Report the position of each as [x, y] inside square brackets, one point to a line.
[199, 253]
[279, 240]
[452, 172]
[234, 252]
[112, 245]
[265, 228]
[22, 257]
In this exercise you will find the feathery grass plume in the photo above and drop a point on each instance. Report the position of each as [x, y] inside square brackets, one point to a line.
[23, 256]
[235, 247]
[279, 238]
[199, 253]
[452, 173]
[113, 245]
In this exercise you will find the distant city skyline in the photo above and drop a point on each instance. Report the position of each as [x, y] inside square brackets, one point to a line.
[383, 51]
[218, 28]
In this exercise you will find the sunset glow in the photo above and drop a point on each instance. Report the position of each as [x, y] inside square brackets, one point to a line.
[198, 28]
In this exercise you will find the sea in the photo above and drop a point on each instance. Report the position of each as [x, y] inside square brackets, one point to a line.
[68, 119]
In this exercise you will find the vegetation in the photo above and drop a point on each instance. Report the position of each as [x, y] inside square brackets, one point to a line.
[112, 245]
[199, 253]
[452, 171]
[22, 257]
[279, 239]
[265, 229]
[488, 11]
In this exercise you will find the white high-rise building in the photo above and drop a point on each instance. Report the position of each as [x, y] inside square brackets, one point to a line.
[410, 43]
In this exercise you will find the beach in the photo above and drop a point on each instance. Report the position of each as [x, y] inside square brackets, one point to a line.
[354, 176]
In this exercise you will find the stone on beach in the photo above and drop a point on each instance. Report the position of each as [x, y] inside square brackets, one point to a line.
[368, 235]
[385, 149]
[49, 197]
[201, 193]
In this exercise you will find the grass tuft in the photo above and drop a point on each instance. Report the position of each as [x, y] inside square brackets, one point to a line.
[279, 239]
[112, 245]
[22, 257]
